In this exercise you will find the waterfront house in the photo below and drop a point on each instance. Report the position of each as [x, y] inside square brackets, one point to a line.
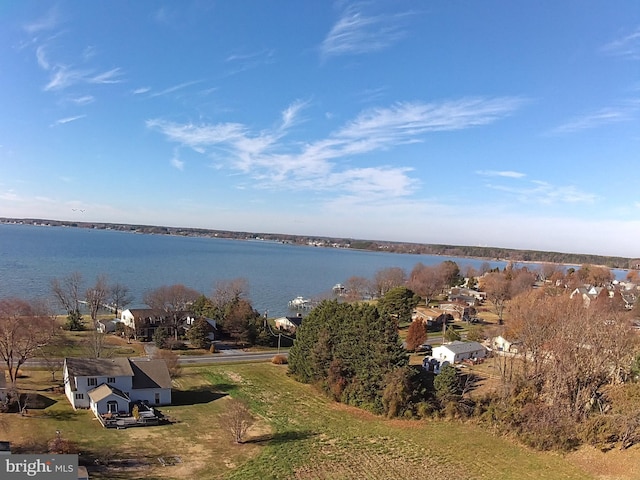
[290, 324]
[210, 324]
[108, 385]
[143, 322]
[107, 326]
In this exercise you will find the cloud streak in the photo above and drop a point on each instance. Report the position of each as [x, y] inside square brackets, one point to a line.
[626, 47]
[602, 117]
[63, 77]
[63, 121]
[500, 173]
[544, 193]
[324, 164]
[357, 33]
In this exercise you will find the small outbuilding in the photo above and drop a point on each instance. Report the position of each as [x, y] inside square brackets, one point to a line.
[456, 352]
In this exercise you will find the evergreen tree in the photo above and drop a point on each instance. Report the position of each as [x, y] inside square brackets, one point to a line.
[74, 321]
[348, 349]
[198, 333]
[446, 384]
[399, 303]
[160, 337]
[450, 335]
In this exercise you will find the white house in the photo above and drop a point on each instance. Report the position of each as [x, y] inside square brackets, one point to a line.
[288, 323]
[143, 322]
[502, 344]
[107, 326]
[455, 352]
[109, 385]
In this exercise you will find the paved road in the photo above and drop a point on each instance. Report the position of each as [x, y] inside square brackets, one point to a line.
[227, 356]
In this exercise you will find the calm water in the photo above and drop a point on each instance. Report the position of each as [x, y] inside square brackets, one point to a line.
[31, 256]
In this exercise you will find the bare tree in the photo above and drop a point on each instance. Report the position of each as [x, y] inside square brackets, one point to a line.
[389, 278]
[496, 285]
[171, 359]
[68, 292]
[426, 281]
[357, 288]
[119, 296]
[50, 355]
[237, 420]
[96, 296]
[24, 327]
[174, 300]
[226, 292]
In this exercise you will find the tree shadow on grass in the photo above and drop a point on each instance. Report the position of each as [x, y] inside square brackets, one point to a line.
[64, 416]
[281, 437]
[195, 396]
[36, 401]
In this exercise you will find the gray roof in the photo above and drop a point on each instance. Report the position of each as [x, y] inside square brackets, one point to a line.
[145, 373]
[104, 391]
[464, 347]
[99, 367]
[150, 374]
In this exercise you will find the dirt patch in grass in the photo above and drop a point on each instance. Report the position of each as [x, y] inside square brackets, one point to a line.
[612, 465]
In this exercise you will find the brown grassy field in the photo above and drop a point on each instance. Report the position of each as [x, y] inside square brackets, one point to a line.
[299, 434]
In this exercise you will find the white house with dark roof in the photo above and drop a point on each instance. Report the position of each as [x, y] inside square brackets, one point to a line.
[457, 351]
[111, 385]
[290, 324]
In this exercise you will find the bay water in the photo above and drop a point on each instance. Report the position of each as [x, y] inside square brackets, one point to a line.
[31, 256]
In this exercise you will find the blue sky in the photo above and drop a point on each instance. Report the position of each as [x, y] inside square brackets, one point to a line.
[499, 123]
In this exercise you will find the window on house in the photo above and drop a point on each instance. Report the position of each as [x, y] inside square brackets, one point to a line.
[92, 382]
[111, 379]
[79, 396]
[157, 398]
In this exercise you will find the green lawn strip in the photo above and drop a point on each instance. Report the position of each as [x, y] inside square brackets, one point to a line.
[310, 432]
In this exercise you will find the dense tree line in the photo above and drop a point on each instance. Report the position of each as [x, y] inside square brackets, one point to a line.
[353, 352]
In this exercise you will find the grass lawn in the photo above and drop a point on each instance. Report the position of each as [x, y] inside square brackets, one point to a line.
[299, 434]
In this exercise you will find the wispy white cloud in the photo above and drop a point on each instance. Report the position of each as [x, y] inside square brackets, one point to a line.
[63, 77]
[41, 57]
[545, 193]
[174, 88]
[626, 47]
[62, 121]
[82, 100]
[47, 22]
[10, 195]
[604, 116]
[372, 94]
[355, 32]
[110, 76]
[241, 62]
[176, 162]
[500, 173]
[323, 164]
[291, 113]
[141, 90]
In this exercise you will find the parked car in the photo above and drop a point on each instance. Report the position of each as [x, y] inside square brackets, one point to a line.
[424, 348]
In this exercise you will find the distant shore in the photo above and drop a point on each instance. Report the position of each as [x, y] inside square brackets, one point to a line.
[471, 252]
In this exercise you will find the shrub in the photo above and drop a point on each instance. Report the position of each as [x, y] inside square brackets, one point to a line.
[277, 359]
